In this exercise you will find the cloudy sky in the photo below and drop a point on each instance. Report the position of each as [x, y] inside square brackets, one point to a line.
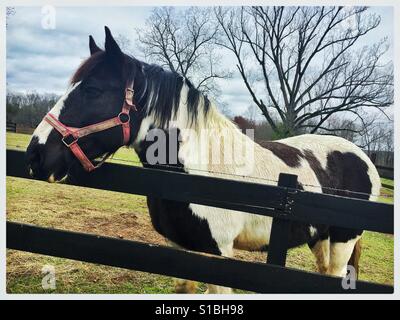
[43, 60]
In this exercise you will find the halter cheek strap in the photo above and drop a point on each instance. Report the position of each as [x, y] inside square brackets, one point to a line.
[71, 135]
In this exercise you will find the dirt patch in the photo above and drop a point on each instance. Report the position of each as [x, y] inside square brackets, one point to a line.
[123, 226]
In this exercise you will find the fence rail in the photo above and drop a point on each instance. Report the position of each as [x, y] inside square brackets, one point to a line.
[243, 196]
[11, 126]
[236, 195]
[257, 277]
[385, 172]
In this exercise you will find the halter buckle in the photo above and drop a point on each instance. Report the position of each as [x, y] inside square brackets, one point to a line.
[67, 140]
[124, 117]
[129, 92]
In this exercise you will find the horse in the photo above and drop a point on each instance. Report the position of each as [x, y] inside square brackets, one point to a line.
[116, 100]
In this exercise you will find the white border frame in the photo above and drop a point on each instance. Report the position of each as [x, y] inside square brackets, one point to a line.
[83, 3]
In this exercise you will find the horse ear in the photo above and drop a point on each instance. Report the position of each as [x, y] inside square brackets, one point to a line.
[93, 46]
[112, 49]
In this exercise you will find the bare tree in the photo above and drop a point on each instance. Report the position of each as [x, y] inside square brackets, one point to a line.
[308, 61]
[376, 134]
[225, 109]
[343, 127]
[124, 42]
[388, 141]
[184, 42]
[370, 131]
[251, 113]
[29, 108]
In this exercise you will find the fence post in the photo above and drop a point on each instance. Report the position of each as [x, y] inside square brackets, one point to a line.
[11, 126]
[373, 157]
[279, 239]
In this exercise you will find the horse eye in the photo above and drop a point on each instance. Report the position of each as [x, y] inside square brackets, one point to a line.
[93, 91]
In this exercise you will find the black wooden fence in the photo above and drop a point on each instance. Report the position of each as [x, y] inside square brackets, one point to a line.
[284, 203]
[11, 126]
[385, 172]
[384, 163]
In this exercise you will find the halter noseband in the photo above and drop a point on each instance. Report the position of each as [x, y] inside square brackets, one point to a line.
[71, 135]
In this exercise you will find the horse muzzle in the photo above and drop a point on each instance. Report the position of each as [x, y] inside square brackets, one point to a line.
[43, 166]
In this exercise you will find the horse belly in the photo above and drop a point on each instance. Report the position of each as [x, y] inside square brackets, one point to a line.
[255, 234]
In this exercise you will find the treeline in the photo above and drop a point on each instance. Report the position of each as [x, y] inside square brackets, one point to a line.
[28, 109]
[262, 130]
[372, 136]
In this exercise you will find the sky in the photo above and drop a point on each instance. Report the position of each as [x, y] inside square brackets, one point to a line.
[43, 59]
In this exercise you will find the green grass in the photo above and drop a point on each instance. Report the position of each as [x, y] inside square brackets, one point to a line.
[93, 211]
[387, 196]
[17, 140]
[124, 216]
[389, 182]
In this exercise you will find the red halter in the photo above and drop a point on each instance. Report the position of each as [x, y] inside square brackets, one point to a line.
[70, 135]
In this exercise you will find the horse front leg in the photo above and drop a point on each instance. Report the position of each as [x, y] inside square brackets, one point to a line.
[226, 251]
[183, 285]
[321, 251]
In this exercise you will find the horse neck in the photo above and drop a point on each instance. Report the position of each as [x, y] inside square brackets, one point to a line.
[209, 142]
[213, 144]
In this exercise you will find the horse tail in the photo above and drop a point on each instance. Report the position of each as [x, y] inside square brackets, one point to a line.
[355, 256]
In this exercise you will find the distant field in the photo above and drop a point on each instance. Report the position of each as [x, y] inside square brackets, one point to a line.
[387, 195]
[388, 182]
[123, 216]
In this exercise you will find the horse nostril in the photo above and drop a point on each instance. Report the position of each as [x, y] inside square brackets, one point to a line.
[34, 159]
[30, 171]
[34, 164]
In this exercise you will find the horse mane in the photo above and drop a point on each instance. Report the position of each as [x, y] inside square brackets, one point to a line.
[164, 94]
[87, 66]
[160, 96]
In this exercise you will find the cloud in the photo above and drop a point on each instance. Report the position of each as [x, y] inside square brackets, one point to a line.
[44, 60]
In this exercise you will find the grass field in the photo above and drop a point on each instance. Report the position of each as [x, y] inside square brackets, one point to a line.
[387, 193]
[123, 216]
[388, 182]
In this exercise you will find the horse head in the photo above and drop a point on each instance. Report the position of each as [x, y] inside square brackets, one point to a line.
[99, 113]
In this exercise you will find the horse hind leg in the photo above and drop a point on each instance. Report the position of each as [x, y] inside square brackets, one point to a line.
[344, 246]
[214, 289]
[355, 257]
[320, 249]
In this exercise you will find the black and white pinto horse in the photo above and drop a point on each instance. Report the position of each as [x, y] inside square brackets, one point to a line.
[167, 101]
